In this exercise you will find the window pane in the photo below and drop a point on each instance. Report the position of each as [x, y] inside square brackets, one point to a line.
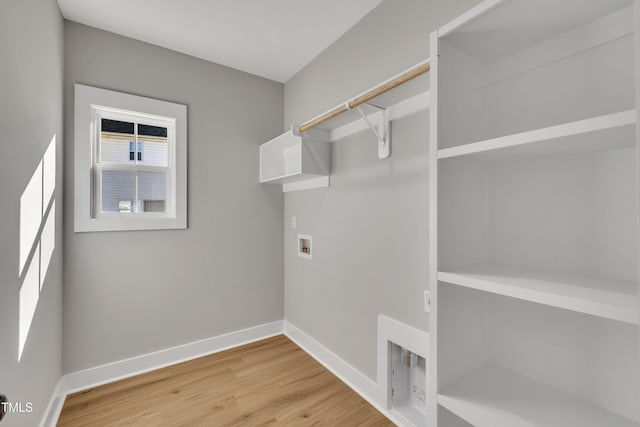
[118, 190]
[152, 191]
[153, 145]
[116, 141]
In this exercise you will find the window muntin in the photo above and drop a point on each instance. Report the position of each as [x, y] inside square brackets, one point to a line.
[132, 151]
[133, 163]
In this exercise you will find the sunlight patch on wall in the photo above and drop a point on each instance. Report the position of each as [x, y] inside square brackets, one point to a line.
[47, 243]
[29, 294]
[30, 215]
[37, 238]
[49, 174]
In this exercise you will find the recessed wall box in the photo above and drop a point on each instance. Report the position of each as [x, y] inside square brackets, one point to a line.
[304, 246]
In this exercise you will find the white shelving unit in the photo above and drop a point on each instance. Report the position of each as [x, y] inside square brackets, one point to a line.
[534, 217]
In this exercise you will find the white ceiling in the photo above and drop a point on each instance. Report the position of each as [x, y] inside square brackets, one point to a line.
[270, 38]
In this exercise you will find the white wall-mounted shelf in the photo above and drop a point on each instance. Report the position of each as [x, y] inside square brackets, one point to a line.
[496, 397]
[603, 297]
[601, 133]
[290, 158]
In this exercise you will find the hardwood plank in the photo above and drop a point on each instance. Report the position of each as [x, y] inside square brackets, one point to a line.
[267, 383]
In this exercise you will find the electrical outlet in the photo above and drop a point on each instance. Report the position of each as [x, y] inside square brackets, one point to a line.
[427, 301]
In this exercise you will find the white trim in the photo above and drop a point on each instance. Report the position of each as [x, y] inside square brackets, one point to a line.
[52, 413]
[349, 375]
[432, 167]
[121, 369]
[86, 98]
[307, 184]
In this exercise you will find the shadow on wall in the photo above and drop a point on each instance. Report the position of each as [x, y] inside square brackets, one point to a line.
[37, 238]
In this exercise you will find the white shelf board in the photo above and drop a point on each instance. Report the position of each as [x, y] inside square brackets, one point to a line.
[306, 184]
[609, 298]
[608, 132]
[292, 177]
[410, 415]
[491, 396]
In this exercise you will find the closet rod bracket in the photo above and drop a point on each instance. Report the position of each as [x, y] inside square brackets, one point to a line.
[381, 129]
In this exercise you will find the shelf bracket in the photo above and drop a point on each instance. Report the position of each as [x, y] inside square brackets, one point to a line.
[381, 129]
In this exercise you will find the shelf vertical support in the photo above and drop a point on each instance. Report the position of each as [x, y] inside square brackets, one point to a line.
[381, 129]
[432, 167]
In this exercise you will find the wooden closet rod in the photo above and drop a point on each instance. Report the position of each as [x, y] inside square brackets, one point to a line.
[392, 83]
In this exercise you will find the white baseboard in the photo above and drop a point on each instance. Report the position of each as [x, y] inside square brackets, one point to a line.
[349, 375]
[93, 377]
[52, 413]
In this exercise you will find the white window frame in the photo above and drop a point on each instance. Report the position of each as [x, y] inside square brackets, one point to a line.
[90, 105]
[100, 112]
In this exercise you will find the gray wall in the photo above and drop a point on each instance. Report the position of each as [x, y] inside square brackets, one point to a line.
[130, 293]
[31, 48]
[637, 65]
[370, 227]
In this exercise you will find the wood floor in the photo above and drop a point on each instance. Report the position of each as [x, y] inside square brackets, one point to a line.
[270, 382]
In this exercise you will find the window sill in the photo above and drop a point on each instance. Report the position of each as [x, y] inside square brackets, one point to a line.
[129, 223]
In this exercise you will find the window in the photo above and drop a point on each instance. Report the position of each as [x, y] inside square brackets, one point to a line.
[132, 151]
[136, 147]
[125, 183]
